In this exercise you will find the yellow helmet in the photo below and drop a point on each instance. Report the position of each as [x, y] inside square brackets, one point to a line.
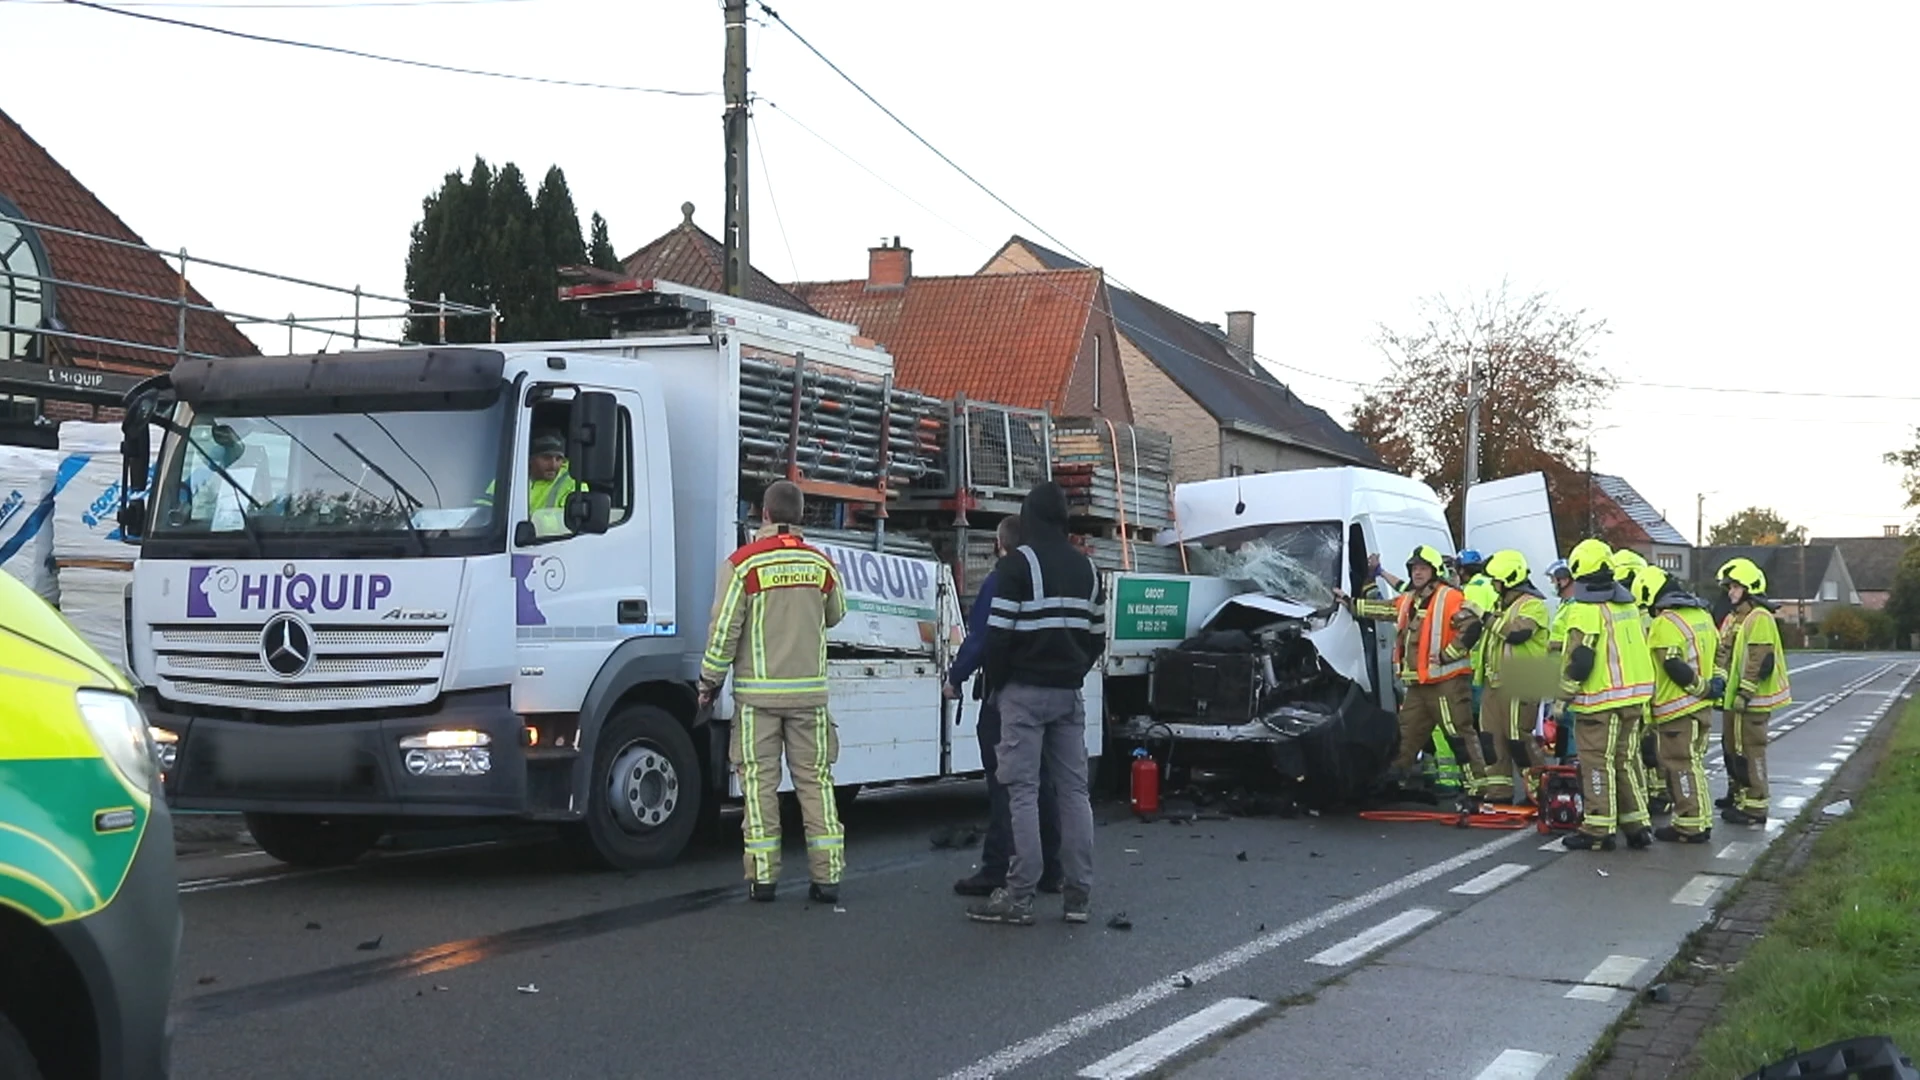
[1509, 568]
[1744, 573]
[1482, 596]
[1624, 560]
[1589, 556]
[1427, 553]
[1647, 583]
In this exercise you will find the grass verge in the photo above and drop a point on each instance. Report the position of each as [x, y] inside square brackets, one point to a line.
[1842, 957]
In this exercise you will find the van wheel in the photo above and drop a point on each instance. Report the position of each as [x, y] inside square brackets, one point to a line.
[315, 841]
[16, 1057]
[844, 794]
[645, 792]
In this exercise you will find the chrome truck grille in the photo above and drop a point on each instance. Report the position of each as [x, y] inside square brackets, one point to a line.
[274, 665]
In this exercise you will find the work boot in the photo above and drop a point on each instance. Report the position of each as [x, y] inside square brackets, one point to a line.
[761, 891]
[1077, 906]
[823, 894]
[1002, 908]
[1659, 804]
[1733, 815]
[1674, 836]
[978, 884]
[1587, 842]
[1640, 839]
[1724, 802]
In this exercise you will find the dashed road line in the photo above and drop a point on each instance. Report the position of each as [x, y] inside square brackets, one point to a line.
[1491, 880]
[1374, 939]
[1169, 1042]
[1515, 1065]
[1606, 979]
[1697, 892]
[1740, 849]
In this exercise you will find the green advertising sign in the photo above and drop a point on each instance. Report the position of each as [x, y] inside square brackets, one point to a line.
[1150, 610]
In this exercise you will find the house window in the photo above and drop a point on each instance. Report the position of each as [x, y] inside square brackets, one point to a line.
[1096, 373]
[1667, 562]
[1829, 590]
[26, 301]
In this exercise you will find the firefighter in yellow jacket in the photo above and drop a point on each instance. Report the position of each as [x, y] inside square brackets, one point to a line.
[1683, 642]
[1752, 670]
[1432, 647]
[775, 600]
[1606, 680]
[1515, 669]
[1627, 565]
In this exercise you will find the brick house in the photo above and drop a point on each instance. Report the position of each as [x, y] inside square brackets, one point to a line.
[67, 349]
[1035, 341]
[1873, 562]
[1203, 385]
[1629, 521]
[688, 255]
[1806, 581]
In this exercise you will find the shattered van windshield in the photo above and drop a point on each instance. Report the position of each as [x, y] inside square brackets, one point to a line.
[1297, 561]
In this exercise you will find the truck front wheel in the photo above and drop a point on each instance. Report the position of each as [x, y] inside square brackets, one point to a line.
[645, 793]
[312, 840]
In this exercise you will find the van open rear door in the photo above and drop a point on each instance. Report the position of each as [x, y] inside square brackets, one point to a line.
[1514, 513]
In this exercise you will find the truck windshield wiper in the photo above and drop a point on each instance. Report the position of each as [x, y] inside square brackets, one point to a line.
[419, 535]
[247, 524]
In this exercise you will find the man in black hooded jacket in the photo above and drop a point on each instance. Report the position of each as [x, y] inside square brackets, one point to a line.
[1046, 629]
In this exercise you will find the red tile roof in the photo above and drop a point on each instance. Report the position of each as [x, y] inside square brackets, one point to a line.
[686, 255]
[1008, 338]
[46, 192]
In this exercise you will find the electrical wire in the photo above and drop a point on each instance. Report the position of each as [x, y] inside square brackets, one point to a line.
[344, 5]
[404, 62]
[766, 175]
[1766, 392]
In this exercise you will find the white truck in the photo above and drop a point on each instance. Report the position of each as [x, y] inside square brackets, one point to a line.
[350, 609]
[1247, 664]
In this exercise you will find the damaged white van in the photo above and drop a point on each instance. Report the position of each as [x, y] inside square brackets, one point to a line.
[1245, 666]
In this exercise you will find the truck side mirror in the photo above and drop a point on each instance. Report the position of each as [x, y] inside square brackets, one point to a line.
[135, 445]
[593, 440]
[589, 512]
[133, 517]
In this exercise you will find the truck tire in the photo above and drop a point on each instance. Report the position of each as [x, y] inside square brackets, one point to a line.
[314, 840]
[16, 1057]
[645, 792]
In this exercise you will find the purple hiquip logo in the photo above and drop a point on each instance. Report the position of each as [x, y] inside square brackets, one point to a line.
[545, 570]
[212, 588]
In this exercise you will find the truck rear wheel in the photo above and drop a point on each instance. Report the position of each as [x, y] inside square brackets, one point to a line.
[313, 840]
[16, 1057]
[644, 795]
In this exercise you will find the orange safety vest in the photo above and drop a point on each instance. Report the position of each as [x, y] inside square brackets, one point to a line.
[1437, 660]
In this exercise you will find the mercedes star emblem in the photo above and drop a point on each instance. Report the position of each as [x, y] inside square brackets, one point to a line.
[287, 646]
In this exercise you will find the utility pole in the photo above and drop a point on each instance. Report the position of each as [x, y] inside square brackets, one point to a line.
[1590, 485]
[1473, 423]
[1700, 520]
[734, 234]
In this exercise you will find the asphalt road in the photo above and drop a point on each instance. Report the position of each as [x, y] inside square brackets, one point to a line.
[1289, 939]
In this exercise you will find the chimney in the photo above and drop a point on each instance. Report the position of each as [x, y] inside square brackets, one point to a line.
[1889, 530]
[1240, 337]
[889, 266]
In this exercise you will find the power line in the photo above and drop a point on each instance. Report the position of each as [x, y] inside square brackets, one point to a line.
[343, 5]
[990, 193]
[1766, 393]
[342, 51]
[766, 175]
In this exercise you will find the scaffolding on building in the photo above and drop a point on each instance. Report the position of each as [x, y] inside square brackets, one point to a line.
[367, 321]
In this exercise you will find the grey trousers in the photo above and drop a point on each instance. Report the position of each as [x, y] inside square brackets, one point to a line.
[1039, 723]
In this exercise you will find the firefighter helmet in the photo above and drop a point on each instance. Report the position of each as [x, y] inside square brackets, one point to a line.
[1509, 568]
[1559, 569]
[1647, 583]
[1589, 557]
[1427, 553]
[1744, 573]
[1470, 557]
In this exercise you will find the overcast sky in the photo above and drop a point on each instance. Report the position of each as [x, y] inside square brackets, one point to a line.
[1731, 186]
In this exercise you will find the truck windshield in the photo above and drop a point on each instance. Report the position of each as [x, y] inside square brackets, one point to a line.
[406, 474]
[1298, 561]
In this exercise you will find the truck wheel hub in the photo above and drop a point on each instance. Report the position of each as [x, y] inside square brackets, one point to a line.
[643, 787]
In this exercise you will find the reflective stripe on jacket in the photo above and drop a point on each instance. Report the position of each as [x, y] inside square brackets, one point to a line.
[1622, 673]
[774, 602]
[1745, 642]
[1687, 634]
[1437, 654]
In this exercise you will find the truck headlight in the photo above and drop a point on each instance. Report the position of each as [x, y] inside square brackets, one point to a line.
[121, 733]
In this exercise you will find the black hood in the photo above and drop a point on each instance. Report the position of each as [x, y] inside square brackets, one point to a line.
[1671, 595]
[1043, 513]
[1600, 588]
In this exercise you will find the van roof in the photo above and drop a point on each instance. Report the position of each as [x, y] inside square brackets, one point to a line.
[1208, 508]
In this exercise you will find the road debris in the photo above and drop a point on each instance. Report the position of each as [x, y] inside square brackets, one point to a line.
[1242, 857]
[1838, 809]
[1601, 872]
[369, 946]
[1184, 982]
[528, 989]
[1659, 993]
[313, 926]
[1120, 921]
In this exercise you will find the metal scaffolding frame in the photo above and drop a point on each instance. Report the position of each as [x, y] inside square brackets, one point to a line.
[31, 378]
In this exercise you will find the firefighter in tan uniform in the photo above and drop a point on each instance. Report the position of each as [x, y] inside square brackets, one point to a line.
[1436, 631]
[775, 600]
[1750, 683]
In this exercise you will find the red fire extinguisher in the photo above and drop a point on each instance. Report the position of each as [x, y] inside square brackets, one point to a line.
[1146, 783]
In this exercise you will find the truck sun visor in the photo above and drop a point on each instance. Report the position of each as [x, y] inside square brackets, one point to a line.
[453, 376]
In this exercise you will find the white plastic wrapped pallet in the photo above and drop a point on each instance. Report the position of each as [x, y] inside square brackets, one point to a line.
[95, 567]
[27, 479]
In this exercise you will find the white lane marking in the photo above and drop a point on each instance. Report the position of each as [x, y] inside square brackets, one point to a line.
[1793, 802]
[1739, 849]
[1840, 755]
[1515, 1065]
[1491, 880]
[1814, 782]
[1169, 1042]
[1819, 664]
[245, 855]
[1606, 978]
[1553, 845]
[1775, 824]
[1826, 766]
[1697, 892]
[1078, 1027]
[1845, 740]
[1375, 939]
